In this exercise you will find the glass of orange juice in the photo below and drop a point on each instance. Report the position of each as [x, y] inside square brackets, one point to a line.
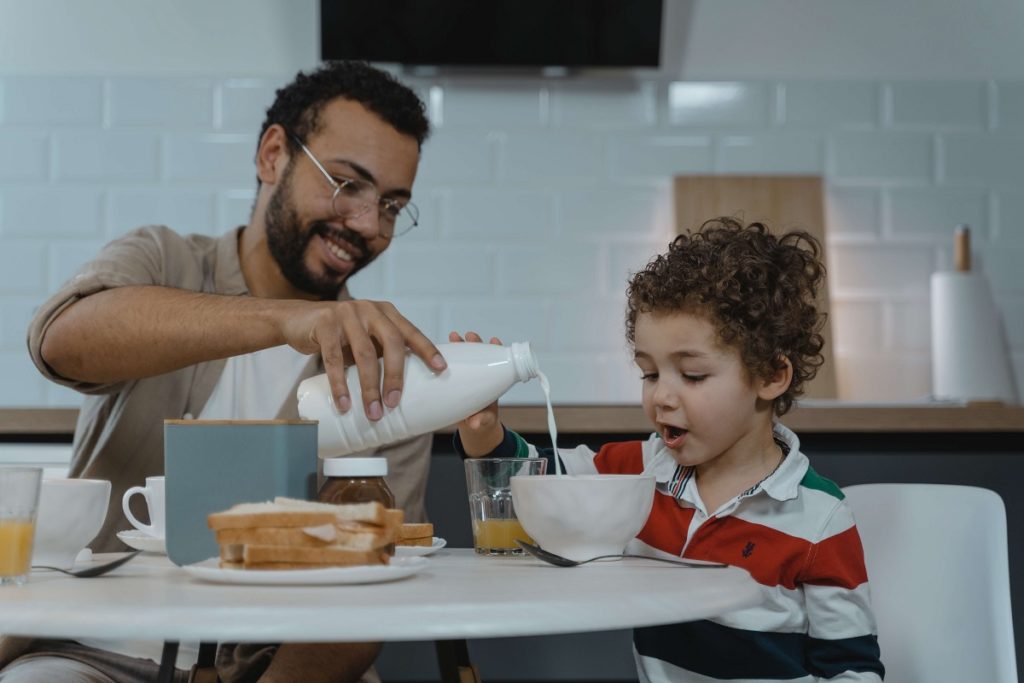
[495, 527]
[19, 499]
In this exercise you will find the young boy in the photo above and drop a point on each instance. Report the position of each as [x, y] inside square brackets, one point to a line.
[725, 333]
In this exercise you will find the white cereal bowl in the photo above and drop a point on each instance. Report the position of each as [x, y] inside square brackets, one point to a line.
[583, 516]
[70, 514]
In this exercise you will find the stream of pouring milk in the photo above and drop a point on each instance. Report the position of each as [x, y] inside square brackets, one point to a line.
[546, 386]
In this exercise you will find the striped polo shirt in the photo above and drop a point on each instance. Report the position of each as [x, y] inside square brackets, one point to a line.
[796, 536]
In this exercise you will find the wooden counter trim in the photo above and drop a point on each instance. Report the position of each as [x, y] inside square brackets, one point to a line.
[610, 419]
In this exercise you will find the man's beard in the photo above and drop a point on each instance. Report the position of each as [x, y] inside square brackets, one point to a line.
[288, 244]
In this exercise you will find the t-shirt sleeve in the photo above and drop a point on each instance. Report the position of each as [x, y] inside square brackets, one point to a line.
[141, 257]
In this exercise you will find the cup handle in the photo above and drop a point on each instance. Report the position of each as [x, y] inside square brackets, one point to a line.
[145, 528]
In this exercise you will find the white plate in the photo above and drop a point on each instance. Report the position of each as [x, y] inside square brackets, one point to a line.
[143, 541]
[415, 550]
[400, 567]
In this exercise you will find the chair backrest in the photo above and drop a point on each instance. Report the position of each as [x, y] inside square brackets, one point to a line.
[939, 575]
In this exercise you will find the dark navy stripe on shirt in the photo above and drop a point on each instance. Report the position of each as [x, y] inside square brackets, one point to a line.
[721, 652]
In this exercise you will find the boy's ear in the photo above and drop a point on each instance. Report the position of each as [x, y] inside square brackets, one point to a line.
[772, 387]
[272, 155]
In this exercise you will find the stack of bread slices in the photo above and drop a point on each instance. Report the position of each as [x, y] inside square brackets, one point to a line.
[287, 533]
[416, 534]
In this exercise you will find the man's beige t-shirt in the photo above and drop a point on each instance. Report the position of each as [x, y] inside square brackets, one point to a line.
[119, 435]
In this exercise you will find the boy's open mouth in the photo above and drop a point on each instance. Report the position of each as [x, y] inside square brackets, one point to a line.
[673, 436]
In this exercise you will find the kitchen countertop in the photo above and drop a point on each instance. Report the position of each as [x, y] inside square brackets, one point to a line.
[812, 417]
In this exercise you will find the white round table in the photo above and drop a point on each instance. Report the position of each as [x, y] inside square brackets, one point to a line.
[458, 595]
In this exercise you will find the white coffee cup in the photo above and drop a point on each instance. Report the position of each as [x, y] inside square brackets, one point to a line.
[71, 512]
[153, 492]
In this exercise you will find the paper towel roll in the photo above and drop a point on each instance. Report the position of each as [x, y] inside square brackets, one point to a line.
[969, 353]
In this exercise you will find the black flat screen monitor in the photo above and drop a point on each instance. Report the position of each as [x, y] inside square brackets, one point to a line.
[494, 33]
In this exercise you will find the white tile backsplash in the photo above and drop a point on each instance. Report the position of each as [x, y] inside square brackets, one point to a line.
[52, 101]
[619, 104]
[830, 106]
[660, 156]
[885, 157]
[538, 197]
[1009, 217]
[241, 104]
[553, 270]
[473, 102]
[932, 213]
[25, 155]
[214, 157]
[547, 156]
[853, 211]
[45, 212]
[984, 159]
[184, 210]
[771, 153]
[720, 104]
[1010, 106]
[106, 156]
[615, 209]
[23, 267]
[458, 157]
[178, 102]
[930, 105]
[488, 214]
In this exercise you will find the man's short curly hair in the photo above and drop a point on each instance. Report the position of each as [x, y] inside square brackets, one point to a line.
[297, 106]
[758, 290]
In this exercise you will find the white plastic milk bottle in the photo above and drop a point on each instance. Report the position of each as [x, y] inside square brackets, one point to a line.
[476, 376]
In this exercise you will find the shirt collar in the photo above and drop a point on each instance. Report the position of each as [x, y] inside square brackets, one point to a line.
[782, 484]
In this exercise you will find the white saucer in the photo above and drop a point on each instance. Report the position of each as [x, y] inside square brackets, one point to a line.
[415, 550]
[143, 541]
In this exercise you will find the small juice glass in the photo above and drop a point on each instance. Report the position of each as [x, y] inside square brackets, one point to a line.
[19, 500]
[488, 482]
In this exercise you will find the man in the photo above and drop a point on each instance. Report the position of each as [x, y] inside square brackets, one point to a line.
[168, 326]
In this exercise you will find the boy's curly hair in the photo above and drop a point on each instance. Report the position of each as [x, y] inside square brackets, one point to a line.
[758, 290]
[297, 106]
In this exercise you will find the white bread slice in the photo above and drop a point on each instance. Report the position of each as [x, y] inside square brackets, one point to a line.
[332, 556]
[350, 535]
[420, 530]
[226, 564]
[231, 552]
[423, 541]
[249, 515]
[294, 513]
[372, 513]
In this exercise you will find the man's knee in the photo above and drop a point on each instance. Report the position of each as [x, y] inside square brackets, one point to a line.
[49, 669]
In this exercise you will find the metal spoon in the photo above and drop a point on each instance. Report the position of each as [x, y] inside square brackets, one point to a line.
[559, 561]
[95, 570]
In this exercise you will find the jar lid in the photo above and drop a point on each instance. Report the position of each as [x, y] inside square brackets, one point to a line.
[355, 467]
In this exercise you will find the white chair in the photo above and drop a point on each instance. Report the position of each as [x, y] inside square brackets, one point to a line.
[939, 575]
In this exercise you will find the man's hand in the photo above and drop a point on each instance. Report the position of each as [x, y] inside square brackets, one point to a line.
[132, 332]
[481, 432]
[361, 332]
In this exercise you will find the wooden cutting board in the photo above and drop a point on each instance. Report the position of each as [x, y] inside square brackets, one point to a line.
[782, 203]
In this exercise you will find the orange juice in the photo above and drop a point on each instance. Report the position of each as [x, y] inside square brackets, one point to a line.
[15, 546]
[498, 535]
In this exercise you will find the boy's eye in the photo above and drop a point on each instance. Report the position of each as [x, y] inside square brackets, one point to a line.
[694, 378]
[649, 376]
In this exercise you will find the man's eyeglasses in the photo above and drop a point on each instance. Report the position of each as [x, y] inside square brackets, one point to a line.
[353, 197]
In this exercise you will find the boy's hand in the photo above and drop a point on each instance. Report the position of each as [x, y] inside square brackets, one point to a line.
[480, 432]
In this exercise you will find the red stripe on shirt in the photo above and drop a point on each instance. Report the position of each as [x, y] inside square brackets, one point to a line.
[773, 558]
[837, 561]
[625, 457]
